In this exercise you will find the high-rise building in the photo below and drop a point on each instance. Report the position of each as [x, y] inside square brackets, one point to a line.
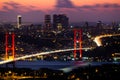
[47, 21]
[60, 21]
[19, 21]
[86, 24]
[99, 24]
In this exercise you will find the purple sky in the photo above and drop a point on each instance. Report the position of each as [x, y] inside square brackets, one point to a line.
[84, 12]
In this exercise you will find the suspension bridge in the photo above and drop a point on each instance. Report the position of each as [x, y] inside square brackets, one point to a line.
[10, 47]
[38, 54]
[77, 47]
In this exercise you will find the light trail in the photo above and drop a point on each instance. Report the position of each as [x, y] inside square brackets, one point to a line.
[37, 54]
[98, 41]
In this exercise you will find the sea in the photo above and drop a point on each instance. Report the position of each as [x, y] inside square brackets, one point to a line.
[65, 66]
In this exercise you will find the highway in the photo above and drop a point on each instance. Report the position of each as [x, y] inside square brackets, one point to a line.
[98, 41]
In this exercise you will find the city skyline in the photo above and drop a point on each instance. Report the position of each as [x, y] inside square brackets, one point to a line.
[77, 11]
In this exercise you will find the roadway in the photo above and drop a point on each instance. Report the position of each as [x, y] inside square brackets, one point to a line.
[38, 54]
[20, 77]
[98, 41]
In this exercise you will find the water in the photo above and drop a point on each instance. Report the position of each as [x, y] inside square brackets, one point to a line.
[65, 66]
[43, 64]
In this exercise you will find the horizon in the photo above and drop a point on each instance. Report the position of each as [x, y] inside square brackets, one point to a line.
[77, 11]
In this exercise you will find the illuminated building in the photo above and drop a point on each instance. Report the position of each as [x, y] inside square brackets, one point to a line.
[47, 21]
[60, 19]
[19, 21]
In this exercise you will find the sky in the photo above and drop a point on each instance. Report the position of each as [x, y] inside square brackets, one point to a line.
[76, 10]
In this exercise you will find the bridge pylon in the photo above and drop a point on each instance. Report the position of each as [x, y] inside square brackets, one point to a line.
[78, 42]
[10, 47]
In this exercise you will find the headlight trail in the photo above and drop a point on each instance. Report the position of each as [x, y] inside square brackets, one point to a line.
[98, 41]
[37, 54]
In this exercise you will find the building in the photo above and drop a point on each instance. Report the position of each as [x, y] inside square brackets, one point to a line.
[19, 21]
[99, 25]
[47, 22]
[60, 21]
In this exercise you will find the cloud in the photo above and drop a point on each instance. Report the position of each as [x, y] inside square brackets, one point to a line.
[101, 6]
[16, 7]
[12, 4]
[64, 4]
[29, 13]
[6, 8]
[30, 16]
[67, 5]
[111, 6]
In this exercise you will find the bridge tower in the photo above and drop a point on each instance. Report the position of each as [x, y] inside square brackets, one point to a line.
[77, 42]
[10, 46]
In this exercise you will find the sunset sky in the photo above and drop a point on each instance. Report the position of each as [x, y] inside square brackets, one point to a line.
[76, 10]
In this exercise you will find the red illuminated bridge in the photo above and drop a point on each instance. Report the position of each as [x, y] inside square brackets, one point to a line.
[10, 47]
[38, 54]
